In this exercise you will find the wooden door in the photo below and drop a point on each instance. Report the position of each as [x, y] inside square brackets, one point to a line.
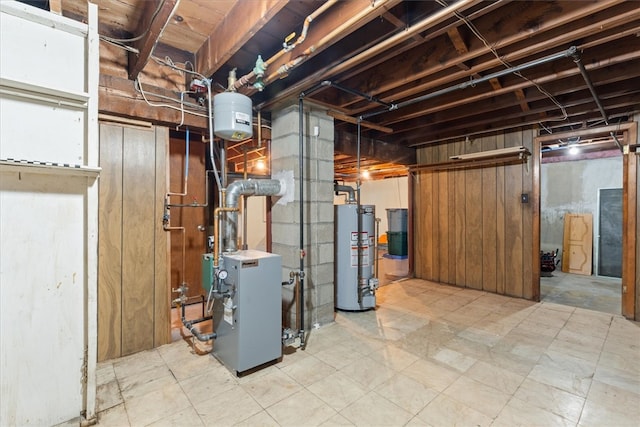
[133, 286]
[577, 244]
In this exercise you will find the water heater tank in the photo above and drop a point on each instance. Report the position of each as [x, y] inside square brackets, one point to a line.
[232, 116]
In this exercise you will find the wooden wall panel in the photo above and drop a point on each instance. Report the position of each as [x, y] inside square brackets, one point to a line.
[189, 218]
[528, 210]
[473, 221]
[162, 288]
[513, 222]
[471, 227]
[110, 243]
[138, 235]
[451, 221]
[133, 292]
[500, 235]
[489, 221]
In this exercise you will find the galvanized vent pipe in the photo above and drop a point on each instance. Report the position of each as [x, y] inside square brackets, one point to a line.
[249, 187]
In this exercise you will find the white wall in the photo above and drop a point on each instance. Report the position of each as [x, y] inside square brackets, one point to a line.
[48, 216]
[385, 194]
[572, 187]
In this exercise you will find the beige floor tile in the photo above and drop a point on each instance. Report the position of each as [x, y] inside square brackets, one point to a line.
[454, 359]
[210, 383]
[431, 374]
[367, 372]
[156, 405]
[610, 405]
[480, 336]
[145, 382]
[445, 411]
[374, 410]
[191, 364]
[582, 339]
[337, 421]
[337, 356]
[511, 362]
[137, 363]
[614, 398]
[301, 409]
[564, 380]
[393, 357]
[407, 393]
[261, 419]
[519, 413]
[551, 399]
[108, 395]
[271, 388]
[478, 396]
[338, 390]
[231, 407]
[567, 362]
[308, 370]
[114, 417]
[576, 350]
[186, 418]
[105, 373]
[629, 365]
[496, 377]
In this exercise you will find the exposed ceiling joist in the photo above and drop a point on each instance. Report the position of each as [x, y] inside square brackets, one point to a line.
[241, 23]
[154, 19]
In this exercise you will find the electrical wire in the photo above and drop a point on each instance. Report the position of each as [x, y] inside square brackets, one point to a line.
[136, 38]
[144, 96]
[477, 33]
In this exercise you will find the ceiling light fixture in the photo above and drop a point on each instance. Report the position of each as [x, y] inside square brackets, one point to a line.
[260, 164]
[574, 150]
[365, 174]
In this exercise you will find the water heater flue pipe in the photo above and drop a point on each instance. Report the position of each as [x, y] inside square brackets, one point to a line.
[346, 189]
[245, 187]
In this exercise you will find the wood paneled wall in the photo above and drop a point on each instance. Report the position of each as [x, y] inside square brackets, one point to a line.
[470, 227]
[189, 218]
[133, 290]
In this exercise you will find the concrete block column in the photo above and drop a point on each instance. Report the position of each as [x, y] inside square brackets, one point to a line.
[318, 211]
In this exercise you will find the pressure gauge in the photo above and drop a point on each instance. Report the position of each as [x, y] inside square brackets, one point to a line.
[222, 274]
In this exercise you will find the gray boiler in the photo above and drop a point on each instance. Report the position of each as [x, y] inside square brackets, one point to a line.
[248, 323]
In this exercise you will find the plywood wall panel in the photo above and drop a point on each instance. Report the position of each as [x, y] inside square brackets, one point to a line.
[138, 235]
[500, 230]
[489, 233]
[480, 235]
[443, 227]
[513, 223]
[528, 210]
[110, 244]
[162, 288]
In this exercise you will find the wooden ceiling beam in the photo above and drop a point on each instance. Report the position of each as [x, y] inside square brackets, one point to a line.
[346, 142]
[614, 66]
[353, 120]
[241, 23]
[403, 82]
[334, 24]
[154, 19]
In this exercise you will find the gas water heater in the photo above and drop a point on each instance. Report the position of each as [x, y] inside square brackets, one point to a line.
[355, 293]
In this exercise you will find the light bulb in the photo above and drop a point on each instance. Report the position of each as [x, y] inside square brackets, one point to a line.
[260, 164]
[365, 174]
[573, 151]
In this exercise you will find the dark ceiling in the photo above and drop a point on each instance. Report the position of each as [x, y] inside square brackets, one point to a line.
[414, 72]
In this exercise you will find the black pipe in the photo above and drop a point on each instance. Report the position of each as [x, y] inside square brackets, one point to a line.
[564, 54]
[190, 325]
[592, 89]
[368, 97]
[359, 216]
[301, 166]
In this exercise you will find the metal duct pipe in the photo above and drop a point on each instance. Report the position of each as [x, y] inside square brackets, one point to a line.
[592, 89]
[249, 187]
[346, 189]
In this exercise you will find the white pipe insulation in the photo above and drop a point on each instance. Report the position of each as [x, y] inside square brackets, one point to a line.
[248, 187]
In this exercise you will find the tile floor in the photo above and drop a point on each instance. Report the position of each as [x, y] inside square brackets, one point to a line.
[598, 293]
[429, 355]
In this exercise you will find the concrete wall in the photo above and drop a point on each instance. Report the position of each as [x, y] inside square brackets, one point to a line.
[318, 211]
[572, 187]
[384, 194]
